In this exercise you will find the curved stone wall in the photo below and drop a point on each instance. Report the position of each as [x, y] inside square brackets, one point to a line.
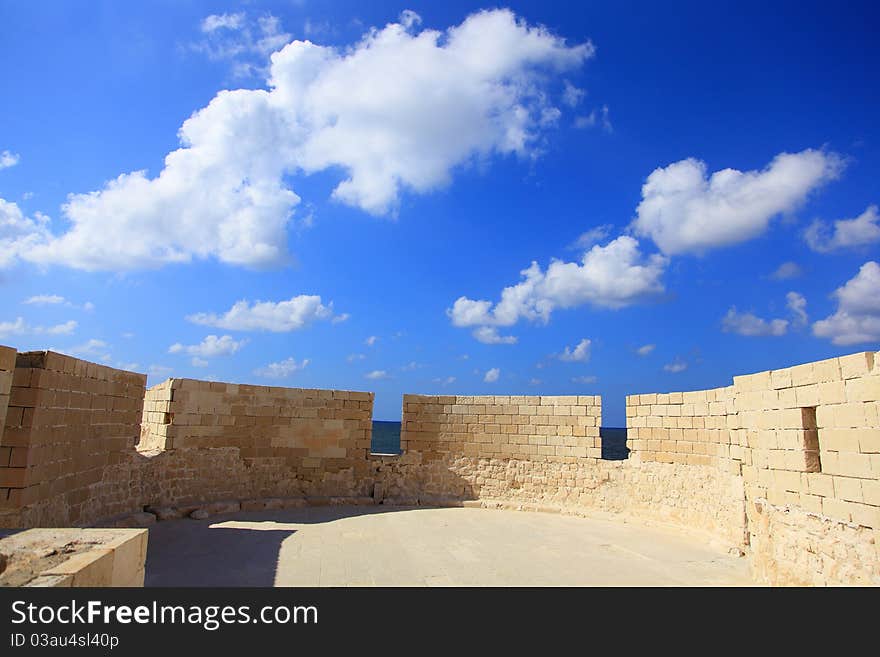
[783, 465]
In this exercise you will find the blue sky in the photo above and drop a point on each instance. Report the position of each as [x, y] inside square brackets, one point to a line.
[696, 184]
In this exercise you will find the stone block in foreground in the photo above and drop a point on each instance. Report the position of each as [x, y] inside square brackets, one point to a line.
[74, 557]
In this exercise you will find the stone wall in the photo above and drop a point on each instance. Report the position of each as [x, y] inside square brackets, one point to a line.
[309, 430]
[67, 422]
[784, 464]
[518, 427]
[811, 468]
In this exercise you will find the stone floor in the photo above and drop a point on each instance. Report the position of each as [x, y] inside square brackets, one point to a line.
[394, 546]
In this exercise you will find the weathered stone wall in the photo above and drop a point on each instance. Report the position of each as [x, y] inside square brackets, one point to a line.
[309, 430]
[783, 464]
[688, 431]
[67, 422]
[811, 468]
[518, 427]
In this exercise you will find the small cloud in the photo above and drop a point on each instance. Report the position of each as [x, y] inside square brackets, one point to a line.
[344, 317]
[409, 19]
[645, 349]
[535, 382]
[678, 365]
[409, 367]
[445, 381]
[93, 349]
[464, 357]
[128, 335]
[44, 300]
[355, 357]
[580, 354]
[66, 328]
[209, 347]
[750, 325]
[584, 379]
[571, 95]
[199, 362]
[159, 371]
[591, 237]
[492, 375]
[282, 369]
[376, 375]
[846, 233]
[372, 340]
[8, 159]
[489, 335]
[598, 117]
[786, 271]
[797, 304]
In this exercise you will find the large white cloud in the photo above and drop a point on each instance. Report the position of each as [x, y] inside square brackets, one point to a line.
[857, 319]
[685, 210]
[400, 110]
[846, 234]
[291, 315]
[611, 276]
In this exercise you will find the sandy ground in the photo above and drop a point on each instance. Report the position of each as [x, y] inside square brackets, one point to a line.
[394, 546]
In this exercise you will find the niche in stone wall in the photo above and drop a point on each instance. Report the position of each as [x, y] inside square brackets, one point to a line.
[810, 436]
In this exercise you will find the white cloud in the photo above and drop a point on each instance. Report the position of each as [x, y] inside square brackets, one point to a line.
[397, 112]
[54, 300]
[282, 369]
[66, 328]
[685, 211]
[411, 366]
[797, 304]
[209, 347]
[571, 95]
[370, 341]
[377, 375]
[291, 315]
[751, 325]
[584, 379]
[17, 327]
[645, 349]
[610, 276]
[21, 327]
[216, 22]
[490, 335]
[847, 233]
[857, 319]
[353, 357]
[786, 271]
[535, 382]
[598, 117]
[492, 375]
[8, 159]
[93, 349]
[592, 237]
[338, 319]
[18, 233]
[581, 353]
[445, 381]
[245, 41]
[675, 366]
[199, 362]
[159, 371]
[44, 299]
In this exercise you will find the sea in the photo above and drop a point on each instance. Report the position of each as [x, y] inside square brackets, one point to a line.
[386, 440]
